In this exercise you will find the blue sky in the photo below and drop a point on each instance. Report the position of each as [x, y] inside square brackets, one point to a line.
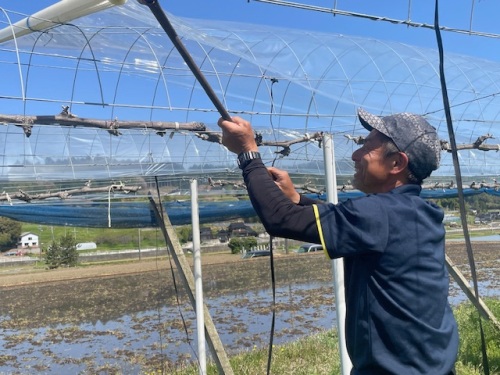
[453, 13]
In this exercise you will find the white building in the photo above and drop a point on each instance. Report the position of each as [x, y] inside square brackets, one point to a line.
[29, 242]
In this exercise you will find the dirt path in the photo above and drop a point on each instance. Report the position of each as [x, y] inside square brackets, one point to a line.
[25, 275]
[486, 254]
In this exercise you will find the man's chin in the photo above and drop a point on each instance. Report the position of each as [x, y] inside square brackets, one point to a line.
[355, 183]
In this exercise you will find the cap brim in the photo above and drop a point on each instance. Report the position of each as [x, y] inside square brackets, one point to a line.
[370, 121]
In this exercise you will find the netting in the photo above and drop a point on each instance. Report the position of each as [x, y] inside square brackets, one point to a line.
[141, 215]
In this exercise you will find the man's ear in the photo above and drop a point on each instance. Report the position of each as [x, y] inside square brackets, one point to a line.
[399, 162]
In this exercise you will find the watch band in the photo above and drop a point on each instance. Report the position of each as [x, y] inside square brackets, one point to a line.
[245, 157]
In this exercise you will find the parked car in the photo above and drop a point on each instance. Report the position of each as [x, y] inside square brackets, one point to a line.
[309, 248]
[257, 253]
[10, 253]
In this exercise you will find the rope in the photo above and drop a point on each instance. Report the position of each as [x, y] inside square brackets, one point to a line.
[458, 174]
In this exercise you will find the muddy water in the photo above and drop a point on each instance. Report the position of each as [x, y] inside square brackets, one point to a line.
[125, 324]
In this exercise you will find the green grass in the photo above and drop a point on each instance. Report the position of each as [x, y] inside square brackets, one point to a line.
[119, 239]
[472, 233]
[105, 238]
[313, 355]
[318, 354]
[470, 341]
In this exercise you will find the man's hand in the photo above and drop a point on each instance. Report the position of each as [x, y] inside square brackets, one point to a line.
[238, 135]
[284, 182]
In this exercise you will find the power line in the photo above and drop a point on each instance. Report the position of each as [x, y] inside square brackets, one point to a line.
[406, 22]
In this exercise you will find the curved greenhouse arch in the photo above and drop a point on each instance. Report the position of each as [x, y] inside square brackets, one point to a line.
[321, 80]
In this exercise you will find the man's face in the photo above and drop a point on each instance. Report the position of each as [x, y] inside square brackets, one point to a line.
[371, 167]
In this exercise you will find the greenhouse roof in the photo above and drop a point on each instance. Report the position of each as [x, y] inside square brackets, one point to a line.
[118, 65]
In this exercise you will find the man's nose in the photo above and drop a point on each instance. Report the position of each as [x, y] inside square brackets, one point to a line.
[355, 155]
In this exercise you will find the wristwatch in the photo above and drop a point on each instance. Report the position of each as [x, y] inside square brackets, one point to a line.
[245, 157]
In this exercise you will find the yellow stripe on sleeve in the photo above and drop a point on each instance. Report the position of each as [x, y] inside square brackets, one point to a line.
[320, 230]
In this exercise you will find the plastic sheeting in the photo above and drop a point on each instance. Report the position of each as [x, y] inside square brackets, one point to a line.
[119, 64]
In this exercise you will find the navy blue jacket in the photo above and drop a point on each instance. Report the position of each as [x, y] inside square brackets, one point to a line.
[398, 319]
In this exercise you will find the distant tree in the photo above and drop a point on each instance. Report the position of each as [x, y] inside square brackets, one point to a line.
[238, 244]
[10, 231]
[477, 202]
[53, 255]
[450, 204]
[62, 252]
[68, 250]
[483, 202]
[184, 233]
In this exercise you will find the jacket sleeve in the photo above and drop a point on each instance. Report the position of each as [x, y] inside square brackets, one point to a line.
[306, 201]
[280, 216]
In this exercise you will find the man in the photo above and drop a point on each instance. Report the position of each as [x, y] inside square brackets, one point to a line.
[398, 320]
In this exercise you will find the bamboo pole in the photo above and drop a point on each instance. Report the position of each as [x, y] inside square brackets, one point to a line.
[213, 339]
[469, 292]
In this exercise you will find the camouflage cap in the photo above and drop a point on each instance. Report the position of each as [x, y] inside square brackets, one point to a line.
[413, 135]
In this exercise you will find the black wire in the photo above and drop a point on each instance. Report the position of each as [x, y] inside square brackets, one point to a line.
[273, 319]
[458, 175]
[184, 325]
[273, 81]
[273, 279]
[158, 310]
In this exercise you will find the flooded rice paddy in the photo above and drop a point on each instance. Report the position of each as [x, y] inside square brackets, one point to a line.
[131, 324]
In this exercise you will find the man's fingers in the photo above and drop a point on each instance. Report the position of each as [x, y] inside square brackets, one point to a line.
[223, 123]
